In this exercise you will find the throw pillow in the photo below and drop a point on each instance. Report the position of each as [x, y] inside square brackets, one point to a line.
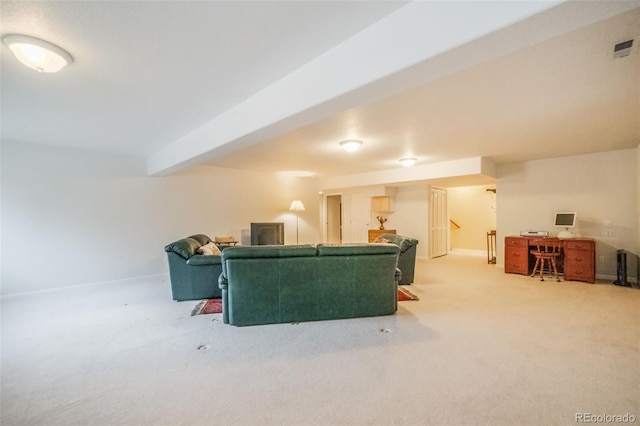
[209, 249]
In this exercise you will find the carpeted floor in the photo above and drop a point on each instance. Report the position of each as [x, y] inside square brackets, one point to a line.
[480, 347]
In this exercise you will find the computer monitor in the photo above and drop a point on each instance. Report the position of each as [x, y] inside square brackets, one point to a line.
[565, 220]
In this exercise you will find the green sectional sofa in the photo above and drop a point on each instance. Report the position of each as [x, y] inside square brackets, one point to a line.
[193, 276]
[281, 284]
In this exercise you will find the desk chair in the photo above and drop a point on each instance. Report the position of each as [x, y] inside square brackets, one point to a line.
[547, 251]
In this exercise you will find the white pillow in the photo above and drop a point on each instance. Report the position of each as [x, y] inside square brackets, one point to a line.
[209, 249]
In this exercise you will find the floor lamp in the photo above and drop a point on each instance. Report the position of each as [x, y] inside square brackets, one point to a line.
[296, 206]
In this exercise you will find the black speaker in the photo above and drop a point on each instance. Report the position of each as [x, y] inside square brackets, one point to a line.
[621, 256]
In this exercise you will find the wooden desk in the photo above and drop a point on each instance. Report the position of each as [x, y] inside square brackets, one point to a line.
[578, 260]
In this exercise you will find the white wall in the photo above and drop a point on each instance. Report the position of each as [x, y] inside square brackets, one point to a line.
[599, 187]
[73, 217]
[411, 215]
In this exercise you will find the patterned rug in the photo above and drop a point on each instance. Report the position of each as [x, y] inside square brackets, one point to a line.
[214, 306]
[404, 294]
[208, 306]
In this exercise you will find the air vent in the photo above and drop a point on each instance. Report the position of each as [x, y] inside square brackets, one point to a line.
[623, 49]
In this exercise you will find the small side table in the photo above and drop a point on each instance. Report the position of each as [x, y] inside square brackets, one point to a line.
[491, 247]
[374, 233]
[222, 242]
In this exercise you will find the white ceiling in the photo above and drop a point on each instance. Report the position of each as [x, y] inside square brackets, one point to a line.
[148, 73]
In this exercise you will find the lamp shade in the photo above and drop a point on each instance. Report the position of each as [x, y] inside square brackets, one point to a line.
[37, 54]
[296, 206]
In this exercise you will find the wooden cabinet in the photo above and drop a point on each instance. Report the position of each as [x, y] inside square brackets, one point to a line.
[580, 260]
[373, 233]
[381, 204]
[516, 255]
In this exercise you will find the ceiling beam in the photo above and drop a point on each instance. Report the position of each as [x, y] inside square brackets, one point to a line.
[403, 50]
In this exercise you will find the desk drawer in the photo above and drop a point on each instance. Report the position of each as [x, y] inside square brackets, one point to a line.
[516, 242]
[579, 245]
[516, 255]
[580, 261]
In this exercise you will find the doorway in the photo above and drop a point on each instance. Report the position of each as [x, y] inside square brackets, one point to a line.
[334, 219]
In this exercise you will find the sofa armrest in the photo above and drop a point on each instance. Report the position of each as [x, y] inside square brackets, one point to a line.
[398, 275]
[223, 282]
[201, 259]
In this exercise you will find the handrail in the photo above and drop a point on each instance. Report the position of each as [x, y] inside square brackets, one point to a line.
[454, 224]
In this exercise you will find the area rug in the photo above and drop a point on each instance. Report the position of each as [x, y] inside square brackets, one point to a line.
[208, 306]
[404, 294]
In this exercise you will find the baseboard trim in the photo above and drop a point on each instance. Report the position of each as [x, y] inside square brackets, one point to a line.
[469, 252]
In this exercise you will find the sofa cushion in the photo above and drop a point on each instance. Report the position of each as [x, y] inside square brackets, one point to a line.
[356, 249]
[185, 247]
[209, 249]
[244, 252]
[202, 260]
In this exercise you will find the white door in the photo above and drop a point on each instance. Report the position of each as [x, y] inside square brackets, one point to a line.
[334, 219]
[360, 215]
[438, 223]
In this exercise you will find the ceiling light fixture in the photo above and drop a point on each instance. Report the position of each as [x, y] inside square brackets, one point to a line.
[351, 145]
[37, 54]
[408, 162]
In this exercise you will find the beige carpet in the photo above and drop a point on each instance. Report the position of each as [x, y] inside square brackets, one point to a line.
[479, 348]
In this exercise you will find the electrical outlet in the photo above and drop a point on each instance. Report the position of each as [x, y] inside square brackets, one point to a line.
[611, 233]
[601, 259]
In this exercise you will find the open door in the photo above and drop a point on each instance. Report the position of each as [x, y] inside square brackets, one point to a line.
[438, 223]
[360, 216]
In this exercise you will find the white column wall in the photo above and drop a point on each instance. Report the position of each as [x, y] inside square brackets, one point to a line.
[74, 217]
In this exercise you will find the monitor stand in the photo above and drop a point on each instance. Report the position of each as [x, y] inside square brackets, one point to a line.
[565, 234]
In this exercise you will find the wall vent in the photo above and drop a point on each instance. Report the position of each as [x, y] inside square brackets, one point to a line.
[623, 49]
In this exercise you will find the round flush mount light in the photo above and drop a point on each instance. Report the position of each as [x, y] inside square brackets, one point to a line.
[351, 145]
[297, 173]
[37, 54]
[408, 162]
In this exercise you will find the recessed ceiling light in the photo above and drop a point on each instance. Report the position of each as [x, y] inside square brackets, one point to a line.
[351, 145]
[297, 173]
[37, 54]
[408, 162]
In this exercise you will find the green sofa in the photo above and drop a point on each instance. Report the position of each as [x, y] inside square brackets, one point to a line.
[407, 259]
[281, 284]
[193, 276]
